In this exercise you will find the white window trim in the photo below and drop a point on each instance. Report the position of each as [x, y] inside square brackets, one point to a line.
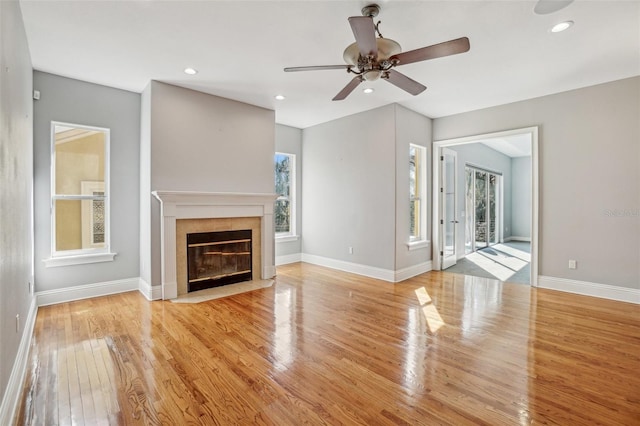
[421, 241]
[284, 237]
[418, 244]
[88, 255]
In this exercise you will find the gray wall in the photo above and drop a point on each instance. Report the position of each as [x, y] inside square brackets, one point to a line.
[521, 197]
[589, 176]
[349, 188]
[477, 154]
[200, 142]
[78, 102]
[16, 181]
[410, 128]
[356, 187]
[289, 140]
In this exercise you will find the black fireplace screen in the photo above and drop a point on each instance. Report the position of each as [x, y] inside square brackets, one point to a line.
[218, 258]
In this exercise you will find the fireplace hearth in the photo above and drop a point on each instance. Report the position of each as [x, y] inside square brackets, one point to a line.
[218, 258]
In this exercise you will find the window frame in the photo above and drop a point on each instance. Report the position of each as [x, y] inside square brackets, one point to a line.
[291, 234]
[420, 239]
[82, 255]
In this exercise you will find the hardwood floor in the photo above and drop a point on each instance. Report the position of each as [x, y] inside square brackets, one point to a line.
[327, 347]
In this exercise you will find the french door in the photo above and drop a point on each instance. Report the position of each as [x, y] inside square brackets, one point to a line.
[482, 203]
[448, 222]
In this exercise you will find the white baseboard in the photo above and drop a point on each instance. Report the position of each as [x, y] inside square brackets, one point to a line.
[289, 258]
[514, 238]
[13, 392]
[604, 291]
[150, 292]
[412, 271]
[69, 294]
[355, 268]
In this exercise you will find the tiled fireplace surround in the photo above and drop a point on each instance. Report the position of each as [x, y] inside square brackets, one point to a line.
[184, 212]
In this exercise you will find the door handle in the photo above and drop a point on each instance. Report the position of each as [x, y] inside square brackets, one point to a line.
[454, 221]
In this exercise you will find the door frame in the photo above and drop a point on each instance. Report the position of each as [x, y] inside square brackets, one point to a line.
[437, 211]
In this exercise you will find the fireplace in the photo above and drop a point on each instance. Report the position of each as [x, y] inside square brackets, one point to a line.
[218, 258]
[184, 212]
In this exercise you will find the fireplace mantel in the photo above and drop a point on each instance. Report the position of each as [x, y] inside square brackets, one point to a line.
[208, 205]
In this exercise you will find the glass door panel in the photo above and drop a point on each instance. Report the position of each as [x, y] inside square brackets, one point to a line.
[449, 208]
[493, 209]
[480, 209]
[469, 211]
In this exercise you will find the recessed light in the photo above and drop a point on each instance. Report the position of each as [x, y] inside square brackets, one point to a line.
[191, 71]
[279, 97]
[368, 90]
[561, 26]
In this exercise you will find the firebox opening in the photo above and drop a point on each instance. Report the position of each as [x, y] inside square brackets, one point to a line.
[218, 258]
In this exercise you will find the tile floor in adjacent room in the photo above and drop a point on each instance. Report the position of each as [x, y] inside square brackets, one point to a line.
[509, 262]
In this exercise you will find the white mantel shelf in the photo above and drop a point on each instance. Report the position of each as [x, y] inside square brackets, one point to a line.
[209, 205]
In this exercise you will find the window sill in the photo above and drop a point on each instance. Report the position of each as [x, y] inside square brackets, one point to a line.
[80, 259]
[415, 245]
[287, 238]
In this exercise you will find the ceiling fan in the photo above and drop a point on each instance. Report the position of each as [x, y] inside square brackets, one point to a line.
[370, 58]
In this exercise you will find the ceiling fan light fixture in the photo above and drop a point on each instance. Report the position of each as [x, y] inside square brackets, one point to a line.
[562, 26]
[386, 49]
[372, 75]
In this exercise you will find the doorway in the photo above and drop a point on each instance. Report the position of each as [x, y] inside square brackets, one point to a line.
[483, 209]
[478, 218]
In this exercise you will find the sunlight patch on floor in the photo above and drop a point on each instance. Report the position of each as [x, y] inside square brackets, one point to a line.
[522, 255]
[434, 320]
[496, 269]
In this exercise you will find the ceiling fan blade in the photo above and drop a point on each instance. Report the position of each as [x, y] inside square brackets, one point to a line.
[405, 83]
[319, 68]
[365, 33]
[348, 88]
[451, 47]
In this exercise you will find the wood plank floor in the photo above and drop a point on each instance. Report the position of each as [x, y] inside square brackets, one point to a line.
[327, 347]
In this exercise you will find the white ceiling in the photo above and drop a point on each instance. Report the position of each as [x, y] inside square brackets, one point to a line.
[241, 47]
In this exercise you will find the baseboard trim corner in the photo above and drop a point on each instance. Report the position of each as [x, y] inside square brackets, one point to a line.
[148, 291]
[86, 291]
[524, 239]
[603, 291]
[13, 392]
[288, 258]
[412, 271]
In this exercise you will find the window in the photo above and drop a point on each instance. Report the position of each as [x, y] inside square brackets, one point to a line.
[285, 206]
[79, 195]
[417, 195]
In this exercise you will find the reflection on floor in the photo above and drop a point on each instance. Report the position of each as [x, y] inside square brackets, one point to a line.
[505, 261]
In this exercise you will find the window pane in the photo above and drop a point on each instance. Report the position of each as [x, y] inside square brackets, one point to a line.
[413, 163]
[282, 214]
[80, 224]
[414, 222]
[79, 156]
[282, 174]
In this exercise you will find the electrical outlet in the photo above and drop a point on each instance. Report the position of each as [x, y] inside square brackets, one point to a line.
[573, 264]
[350, 250]
[17, 323]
